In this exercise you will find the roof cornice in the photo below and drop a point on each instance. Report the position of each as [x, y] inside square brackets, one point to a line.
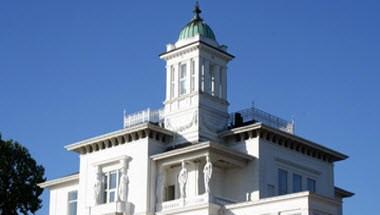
[197, 42]
[285, 139]
[59, 181]
[119, 137]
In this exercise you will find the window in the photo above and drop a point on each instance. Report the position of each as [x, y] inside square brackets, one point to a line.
[202, 79]
[172, 82]
[111, 182]
[282, 182]
[182, 79]
[270, 190]
[311, 185]
[297, 183]
[72, 200]
[192, 72]
[220, 93]
[212, 79]
[170, 193]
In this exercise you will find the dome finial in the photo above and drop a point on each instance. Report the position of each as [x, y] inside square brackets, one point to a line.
[197, 11]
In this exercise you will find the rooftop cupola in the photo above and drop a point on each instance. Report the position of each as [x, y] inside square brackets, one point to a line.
[196, 27]
[196, 106]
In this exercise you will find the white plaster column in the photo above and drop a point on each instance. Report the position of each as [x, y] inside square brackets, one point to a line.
[168, 82]
[207, 80]
[224, 83]
[160, 185]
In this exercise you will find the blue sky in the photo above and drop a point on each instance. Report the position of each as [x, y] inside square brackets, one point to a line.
[69, 68]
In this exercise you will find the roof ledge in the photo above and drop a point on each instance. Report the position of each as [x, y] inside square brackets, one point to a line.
[120, 137]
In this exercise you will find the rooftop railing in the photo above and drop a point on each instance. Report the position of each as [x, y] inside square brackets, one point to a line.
[253, 114]
[236, 119]
[148, 115]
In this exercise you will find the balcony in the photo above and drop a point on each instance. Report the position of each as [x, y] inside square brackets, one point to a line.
[253, 115]
[112, 208]
[148, 115]
[197, 192]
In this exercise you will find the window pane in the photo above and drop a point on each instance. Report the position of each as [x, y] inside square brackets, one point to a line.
[297, 183]
[113, 180]
[282, 182]
[183, 71]
[72, 202]
[311, 185]
[73, 208]
[73, 195]
[182, 87]
[105, 197]
[170, 195]
[112, 196]
[105, 182]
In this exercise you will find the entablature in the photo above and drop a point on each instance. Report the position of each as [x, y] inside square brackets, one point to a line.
[120, 137]
[193, 46]
[221, 155]
[284, 139]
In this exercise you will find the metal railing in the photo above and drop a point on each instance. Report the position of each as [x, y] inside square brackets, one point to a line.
[253, 114]
[148, 115]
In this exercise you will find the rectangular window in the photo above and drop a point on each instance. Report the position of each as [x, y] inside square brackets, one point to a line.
[111, 182]
[170, 193]
[220, 87]
[182, 79]
[192, 72]
[203, 78]
[212, 80]
[72, 200]
[297, 183]
[311, 185]
[172, 82]
[282, 182]
[270, 190]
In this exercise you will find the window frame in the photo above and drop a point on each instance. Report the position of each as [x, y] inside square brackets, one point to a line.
[71, 202]
[283, 190]
[107, 191]
[182, 78]
[313, 182]
[299, 185]
[172, 81]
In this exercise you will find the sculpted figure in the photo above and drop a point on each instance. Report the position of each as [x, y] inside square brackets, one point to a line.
[182, 179]
[123, 185]
[207, 173]
[98, 188]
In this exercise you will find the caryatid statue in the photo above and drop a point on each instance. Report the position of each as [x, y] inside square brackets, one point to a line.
[182, 179]
[123, 183]
[207, 173]
[98, 186]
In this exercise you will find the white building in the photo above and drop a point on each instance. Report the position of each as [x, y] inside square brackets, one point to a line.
[193, 157]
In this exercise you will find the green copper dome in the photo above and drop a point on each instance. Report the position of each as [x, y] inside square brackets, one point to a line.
[196, 27]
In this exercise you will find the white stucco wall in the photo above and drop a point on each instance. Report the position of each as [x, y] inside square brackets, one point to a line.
[58, 204]
[138, 172]
[273, 157]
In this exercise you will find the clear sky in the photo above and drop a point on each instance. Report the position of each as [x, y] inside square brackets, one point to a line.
[69, 68]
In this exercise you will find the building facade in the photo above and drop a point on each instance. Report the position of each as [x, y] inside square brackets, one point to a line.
[194, 157]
